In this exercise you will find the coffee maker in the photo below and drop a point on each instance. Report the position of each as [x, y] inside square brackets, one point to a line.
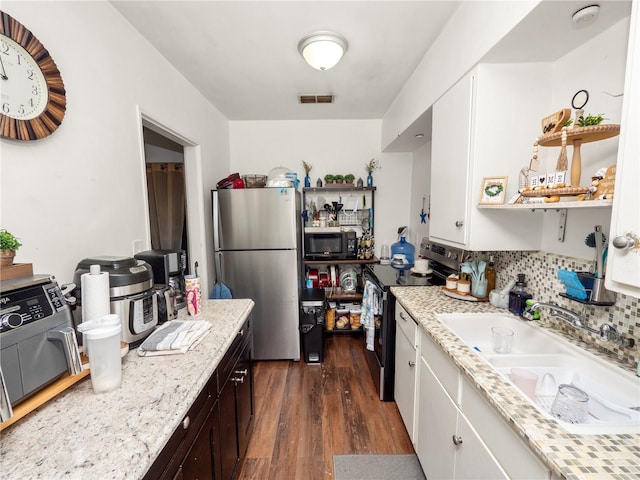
[168, 275]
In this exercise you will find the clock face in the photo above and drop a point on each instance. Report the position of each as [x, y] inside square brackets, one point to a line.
[32, 96]
[23, 87]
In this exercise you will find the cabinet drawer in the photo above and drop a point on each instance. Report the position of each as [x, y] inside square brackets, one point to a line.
[243, 337]
[407, 324]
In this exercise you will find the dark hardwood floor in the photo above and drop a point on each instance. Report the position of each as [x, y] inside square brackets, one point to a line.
[306, 413]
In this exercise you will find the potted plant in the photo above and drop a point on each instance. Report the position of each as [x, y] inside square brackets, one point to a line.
[349, 178]
[329, 179]
[338, 178]
[9, 245]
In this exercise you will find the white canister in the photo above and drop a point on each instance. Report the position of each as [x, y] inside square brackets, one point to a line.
[104, 360]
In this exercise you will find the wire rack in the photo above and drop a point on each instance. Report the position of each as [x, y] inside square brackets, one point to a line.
[353, 217]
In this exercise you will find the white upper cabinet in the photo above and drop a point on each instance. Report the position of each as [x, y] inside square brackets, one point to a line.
[485, 126]
[623, 269]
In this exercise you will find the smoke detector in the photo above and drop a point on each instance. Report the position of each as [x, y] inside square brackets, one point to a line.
[586, 15]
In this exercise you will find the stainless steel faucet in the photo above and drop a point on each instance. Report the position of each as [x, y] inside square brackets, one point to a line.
[606, 332]
[568, 316]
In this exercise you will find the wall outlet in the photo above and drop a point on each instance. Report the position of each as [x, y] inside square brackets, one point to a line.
[137, 246]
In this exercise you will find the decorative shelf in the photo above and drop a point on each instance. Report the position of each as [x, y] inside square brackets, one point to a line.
[552, 206]
[550, 192]
[581, 134]
[576, 137]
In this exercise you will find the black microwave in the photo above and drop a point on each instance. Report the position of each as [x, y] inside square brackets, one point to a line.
[330, 245]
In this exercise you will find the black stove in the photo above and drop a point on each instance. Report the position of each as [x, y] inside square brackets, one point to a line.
[390, 276]
[443, 261]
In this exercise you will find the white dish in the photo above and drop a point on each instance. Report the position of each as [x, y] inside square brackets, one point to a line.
[420, 274]
[468, 298]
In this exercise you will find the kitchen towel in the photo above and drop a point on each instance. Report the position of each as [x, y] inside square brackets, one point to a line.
[369, 309]
[95, 294]
[175, 336]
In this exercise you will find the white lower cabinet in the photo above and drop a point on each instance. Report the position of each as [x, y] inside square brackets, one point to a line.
[449, 448]
[406, 369]
[458, 433]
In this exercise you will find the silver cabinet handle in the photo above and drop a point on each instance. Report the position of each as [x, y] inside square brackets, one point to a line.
[237, 380]
[412, 363]
[241, 333]
[186, 422]
[623, 242]
[457, 440]
[242, 372]
[459, 223]
[402, 316]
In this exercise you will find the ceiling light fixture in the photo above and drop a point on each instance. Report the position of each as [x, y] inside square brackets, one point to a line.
[586, 16]
[322, 50]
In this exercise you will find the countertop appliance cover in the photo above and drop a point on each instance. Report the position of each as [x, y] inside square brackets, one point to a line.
[257, 243]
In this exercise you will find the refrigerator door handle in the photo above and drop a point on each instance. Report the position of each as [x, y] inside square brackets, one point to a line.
[218, 264]
[216, 221]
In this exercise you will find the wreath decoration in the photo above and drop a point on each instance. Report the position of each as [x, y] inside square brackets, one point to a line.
[493, 190]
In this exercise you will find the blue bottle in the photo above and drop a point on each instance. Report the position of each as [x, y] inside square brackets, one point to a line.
[405, 248]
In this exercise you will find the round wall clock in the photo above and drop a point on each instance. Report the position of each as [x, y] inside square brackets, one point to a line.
[33, 99]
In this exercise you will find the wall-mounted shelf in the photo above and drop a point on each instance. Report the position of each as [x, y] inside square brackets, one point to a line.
[343, 187]
[552, 206]
[587, 302]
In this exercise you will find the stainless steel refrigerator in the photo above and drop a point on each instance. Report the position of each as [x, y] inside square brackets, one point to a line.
[257, 242]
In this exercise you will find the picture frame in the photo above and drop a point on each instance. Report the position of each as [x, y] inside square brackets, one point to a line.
[493, 190]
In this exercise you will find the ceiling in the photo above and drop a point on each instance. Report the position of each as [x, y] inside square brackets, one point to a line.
[242, 55]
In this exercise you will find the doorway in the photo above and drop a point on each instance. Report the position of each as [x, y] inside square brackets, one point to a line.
[164, 163]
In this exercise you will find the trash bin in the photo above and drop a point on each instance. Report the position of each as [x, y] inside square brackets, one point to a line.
[311, 324]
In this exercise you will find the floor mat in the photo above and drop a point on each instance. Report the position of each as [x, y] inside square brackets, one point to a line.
[377, 467]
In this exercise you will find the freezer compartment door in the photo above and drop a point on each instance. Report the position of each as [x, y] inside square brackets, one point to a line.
[256, 218]
[270, 279]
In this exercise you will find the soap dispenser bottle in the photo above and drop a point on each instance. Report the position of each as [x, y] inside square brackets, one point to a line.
[490, 275]
[519, 296]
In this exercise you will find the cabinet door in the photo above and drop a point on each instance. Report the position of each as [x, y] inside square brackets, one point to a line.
[437, 417]
[405, 380]
[623, 269]
[199, 461]
[473, 461]
[451, 162]
[228, 431]
[244, 398]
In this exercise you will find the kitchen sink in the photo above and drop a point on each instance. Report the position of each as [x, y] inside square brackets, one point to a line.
[614, 394]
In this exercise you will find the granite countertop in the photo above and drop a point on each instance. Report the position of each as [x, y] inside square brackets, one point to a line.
[118, 435]
[570, 456]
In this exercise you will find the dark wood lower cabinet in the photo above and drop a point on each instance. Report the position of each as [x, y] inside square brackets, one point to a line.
[199, 463]
[212, 440]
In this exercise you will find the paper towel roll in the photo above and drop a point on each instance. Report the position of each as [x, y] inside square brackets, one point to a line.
[95, 294]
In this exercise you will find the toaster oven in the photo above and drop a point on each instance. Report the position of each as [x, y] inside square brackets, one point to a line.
[330, 245]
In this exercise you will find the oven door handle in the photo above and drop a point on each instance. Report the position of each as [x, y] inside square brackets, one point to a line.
[439, 275]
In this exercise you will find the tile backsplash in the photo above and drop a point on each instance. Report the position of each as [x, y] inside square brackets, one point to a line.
[543, 283]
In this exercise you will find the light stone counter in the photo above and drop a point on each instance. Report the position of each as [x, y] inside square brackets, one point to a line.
[568, 456]
[118, 435]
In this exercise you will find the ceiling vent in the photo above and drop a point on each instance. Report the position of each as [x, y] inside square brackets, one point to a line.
[315, 98]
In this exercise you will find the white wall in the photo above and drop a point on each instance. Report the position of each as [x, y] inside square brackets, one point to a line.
[331, 146]
[597, 66]
[80, 192]
[420, 188]
[456, 50]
